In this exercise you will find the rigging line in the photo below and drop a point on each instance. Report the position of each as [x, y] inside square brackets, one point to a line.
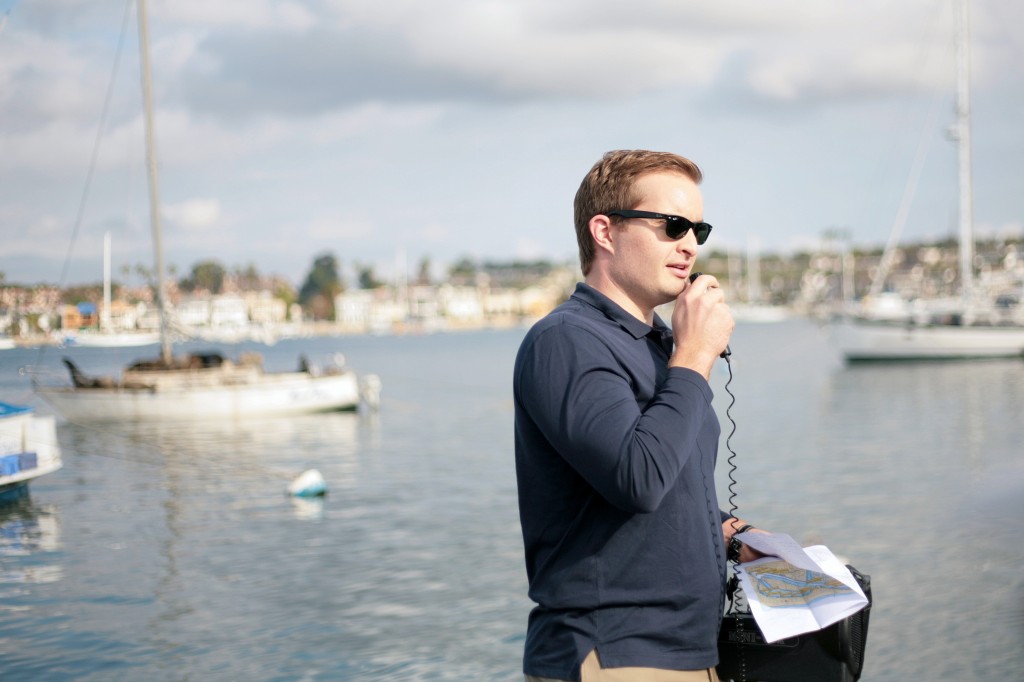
[909, 190]
[929, 30]
[95, 154]
[910, 187]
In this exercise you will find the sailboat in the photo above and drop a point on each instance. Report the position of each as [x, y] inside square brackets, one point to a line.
[107, 336]
[198, 385]
[754, 309]
[969, 327]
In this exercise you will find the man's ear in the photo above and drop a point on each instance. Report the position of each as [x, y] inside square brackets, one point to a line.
[602, 233]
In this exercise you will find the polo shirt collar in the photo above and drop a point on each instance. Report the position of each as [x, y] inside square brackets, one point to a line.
[613, 311]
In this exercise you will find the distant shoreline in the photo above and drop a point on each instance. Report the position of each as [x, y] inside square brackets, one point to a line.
[304, 330]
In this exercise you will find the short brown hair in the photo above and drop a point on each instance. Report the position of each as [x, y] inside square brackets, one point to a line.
[610, 185]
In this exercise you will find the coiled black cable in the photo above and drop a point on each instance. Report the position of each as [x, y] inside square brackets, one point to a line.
[731, 461]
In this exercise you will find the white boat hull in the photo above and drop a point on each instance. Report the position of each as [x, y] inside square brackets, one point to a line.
[193, 396]
[114, 339]
[23, 433]
[761, 314]
[865, 340]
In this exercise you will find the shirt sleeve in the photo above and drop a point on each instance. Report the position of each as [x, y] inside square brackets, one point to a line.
[580, 396]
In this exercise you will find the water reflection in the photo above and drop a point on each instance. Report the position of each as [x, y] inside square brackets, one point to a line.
[28, 533]
[920, 458]
[308, 508]
[957, 412]
[236, 452]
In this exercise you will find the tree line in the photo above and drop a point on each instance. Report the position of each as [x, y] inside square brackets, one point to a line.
[316, 294]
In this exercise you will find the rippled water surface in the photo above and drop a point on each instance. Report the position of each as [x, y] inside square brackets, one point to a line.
[173, 553]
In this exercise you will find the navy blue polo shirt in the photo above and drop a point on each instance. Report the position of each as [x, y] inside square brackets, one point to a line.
[615, 459]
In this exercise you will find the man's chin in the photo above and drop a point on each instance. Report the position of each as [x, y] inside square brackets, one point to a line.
[669, 296]
[672, 292]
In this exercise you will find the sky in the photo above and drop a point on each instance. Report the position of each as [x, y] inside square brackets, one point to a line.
[387, 133]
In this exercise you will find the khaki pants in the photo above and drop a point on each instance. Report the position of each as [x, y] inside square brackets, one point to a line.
[591, 671]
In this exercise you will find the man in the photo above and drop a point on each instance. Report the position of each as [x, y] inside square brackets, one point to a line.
[616, 440]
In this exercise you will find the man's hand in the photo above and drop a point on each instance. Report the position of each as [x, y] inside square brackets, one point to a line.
[733, 526]
[701, 326]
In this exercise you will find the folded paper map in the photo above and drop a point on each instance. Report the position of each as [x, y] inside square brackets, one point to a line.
[796, 589]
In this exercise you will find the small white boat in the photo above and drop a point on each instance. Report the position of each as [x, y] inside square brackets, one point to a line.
[758, 313]
[893, 340]
[203, 386]
[107, 336]
[28, 447]
[112, 339]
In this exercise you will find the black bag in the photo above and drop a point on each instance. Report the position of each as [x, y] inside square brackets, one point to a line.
[832, 653]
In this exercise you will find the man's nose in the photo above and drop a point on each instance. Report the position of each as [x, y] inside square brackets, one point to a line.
[687, 243]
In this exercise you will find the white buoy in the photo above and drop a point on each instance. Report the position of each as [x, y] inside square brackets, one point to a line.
[309, 483]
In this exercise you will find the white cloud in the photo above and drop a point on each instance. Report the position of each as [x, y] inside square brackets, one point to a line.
[337, 228]
[282, 15]
[37, 234]
[433, 233]
[528, 249]
[287, 128]
[42, 80]
[367, 118]
[195, 214]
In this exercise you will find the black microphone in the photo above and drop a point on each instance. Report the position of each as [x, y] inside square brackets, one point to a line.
[728, 351]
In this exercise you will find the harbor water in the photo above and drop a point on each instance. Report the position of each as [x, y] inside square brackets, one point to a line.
[172, 552]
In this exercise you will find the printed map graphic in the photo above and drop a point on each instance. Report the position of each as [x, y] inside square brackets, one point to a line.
[779, 583]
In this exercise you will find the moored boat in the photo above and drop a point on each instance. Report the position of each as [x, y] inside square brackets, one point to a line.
[112, 339]
[972, 327]
[28, 447]
[204, 386]
[198, 385]
[862, 339]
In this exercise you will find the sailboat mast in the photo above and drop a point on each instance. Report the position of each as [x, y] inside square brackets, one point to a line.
[963, 136]
[154, 187]
[105, 314]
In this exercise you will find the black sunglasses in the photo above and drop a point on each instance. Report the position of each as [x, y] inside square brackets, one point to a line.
[676, 226]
